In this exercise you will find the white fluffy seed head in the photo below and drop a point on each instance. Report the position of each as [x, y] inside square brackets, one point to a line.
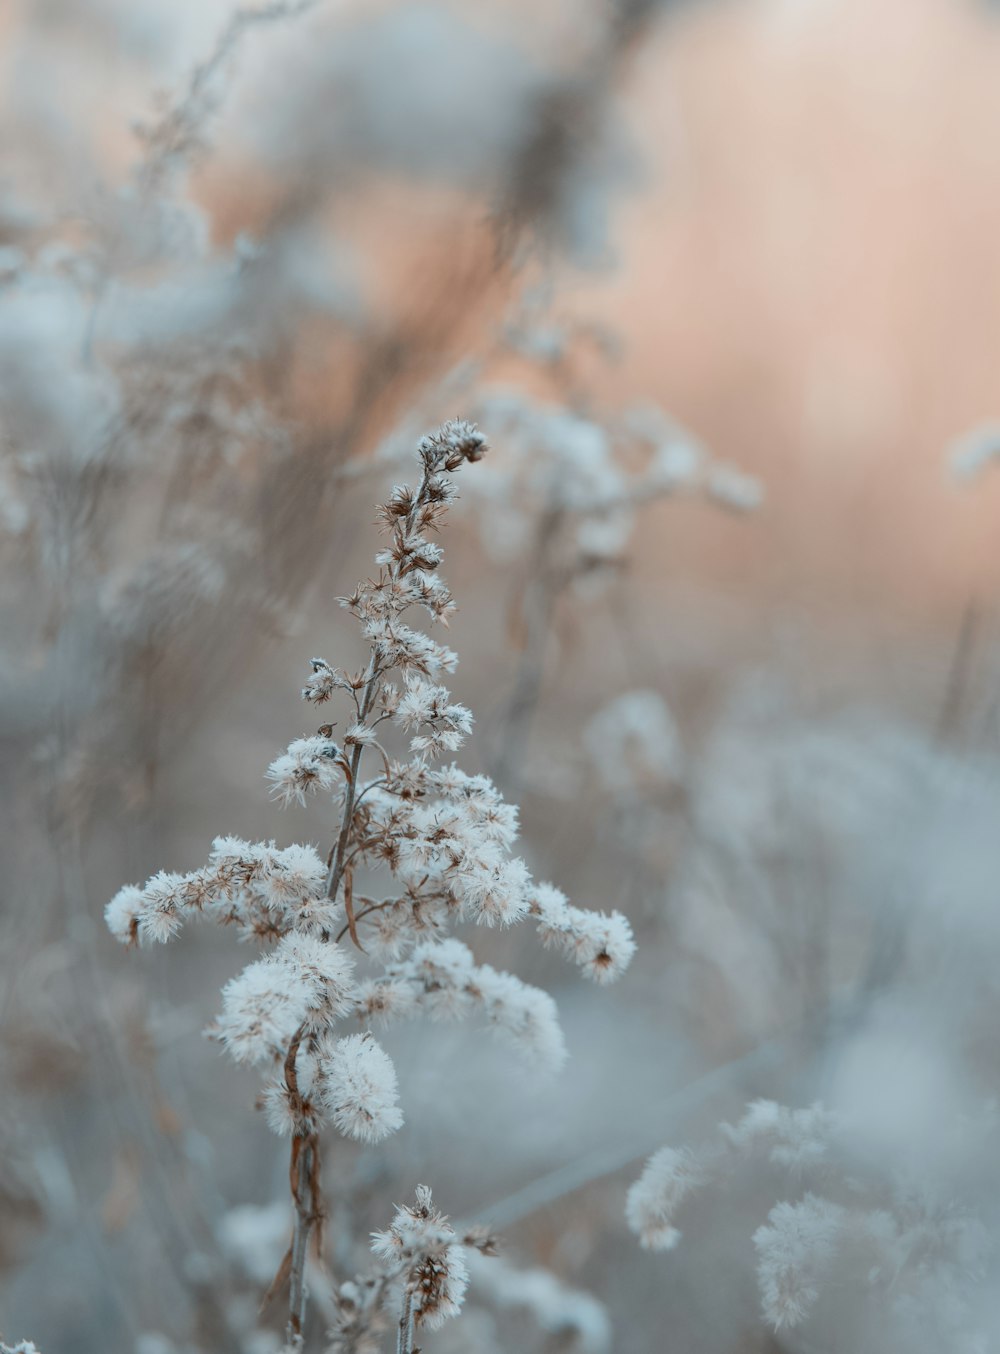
[122, 914]
[795, 1251]
[261, 1010]
[325, 972]
[308, 766]
[358, 1088]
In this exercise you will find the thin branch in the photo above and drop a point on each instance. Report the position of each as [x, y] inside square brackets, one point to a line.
[365, 912]
[304, 1182]
[404, 1341]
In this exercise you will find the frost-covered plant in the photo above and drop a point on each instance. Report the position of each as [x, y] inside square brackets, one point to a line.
[427, 1269]
[908, 1254]
[423, 1255]
[442, 837]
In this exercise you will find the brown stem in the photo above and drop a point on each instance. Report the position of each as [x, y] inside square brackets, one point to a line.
[303, 1174]
[349, 908]
[365, 911]
[336, 871]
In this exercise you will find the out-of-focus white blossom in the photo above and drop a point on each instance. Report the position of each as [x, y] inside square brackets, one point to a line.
[676, 465]
[442, 981]
[563, 475]
[880, 1237]
[793, 1139]
[794, 1252]
[254, 1237]
[734, 489]
[668, 1178]
[634, 744]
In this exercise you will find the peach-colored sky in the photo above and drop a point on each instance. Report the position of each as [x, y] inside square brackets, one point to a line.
[811, 278]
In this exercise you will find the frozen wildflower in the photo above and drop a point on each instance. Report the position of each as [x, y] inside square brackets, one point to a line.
[454, 442]
[359, 1088]
[243, 861]
[423, 1247]
[397, 645]
[600, 943]
[794, 1251]
[494, 892]
[122, 914]
[292, 877]
[262, 1008]
[322, 682]
[442, 838]
[443, 982]
[442, 976]
[669, 1177]
[795, 1140]
[325, 970]
[522, 1015]
[386, 999]
[425, 705]
[160, 917]
[359, 735]
[440, 1283]
[349, 1082]
[310, 764]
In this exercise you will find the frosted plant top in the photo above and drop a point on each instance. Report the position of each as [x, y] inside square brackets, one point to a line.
[439, 838]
